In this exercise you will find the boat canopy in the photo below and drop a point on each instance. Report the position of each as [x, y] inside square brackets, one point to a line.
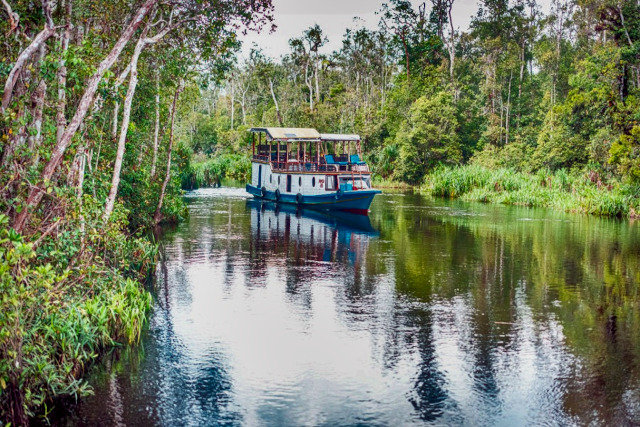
[289, 134]
[337, 137]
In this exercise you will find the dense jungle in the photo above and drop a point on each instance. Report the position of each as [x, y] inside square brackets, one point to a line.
[112, 108]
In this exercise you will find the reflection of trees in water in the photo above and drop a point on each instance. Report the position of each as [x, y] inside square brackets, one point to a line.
[429, 396]
[204, 389]
[580, 272]
[517, 282]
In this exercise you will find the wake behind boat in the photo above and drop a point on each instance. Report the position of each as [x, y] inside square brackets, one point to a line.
[303, 167]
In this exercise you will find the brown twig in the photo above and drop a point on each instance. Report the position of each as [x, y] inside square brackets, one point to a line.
[46, 233]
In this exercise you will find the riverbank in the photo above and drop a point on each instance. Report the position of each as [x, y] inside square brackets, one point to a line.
[72, 293]
[578, 193]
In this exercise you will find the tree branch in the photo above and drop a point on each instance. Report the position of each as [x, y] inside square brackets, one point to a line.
[43, 36]
[14, 18]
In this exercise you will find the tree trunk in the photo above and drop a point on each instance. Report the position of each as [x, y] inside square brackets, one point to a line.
[18, 138]
[43, 36]
[506, 141]
[37, 98]
[243, 105]
[317, 81]
[157, 128]
[115, 122]
[14, 18]
[233, 103]
[158, 215]
[74, 178]
[61, 120]
[36, 193]
[626, 33]
[451, 45]
[275, 101]
[126, 115]
[38, 103]
[406, 54]
[522, 64]
[307, 81]
[140, 156]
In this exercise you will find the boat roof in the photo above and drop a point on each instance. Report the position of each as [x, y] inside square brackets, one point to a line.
[290, 134]
[339, 137]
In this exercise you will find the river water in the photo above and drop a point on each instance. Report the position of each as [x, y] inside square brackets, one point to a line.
[426, 312]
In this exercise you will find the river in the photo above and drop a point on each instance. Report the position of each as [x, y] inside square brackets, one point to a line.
[427, 312]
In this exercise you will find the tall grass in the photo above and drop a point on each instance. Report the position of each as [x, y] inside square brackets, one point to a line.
[557, 190]
[211, 172]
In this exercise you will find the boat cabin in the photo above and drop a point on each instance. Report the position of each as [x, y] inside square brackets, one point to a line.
[303, 161]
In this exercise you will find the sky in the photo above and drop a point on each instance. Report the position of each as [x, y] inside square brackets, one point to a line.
[292, 17]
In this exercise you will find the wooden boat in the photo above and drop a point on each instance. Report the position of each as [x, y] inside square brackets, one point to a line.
[300, 166]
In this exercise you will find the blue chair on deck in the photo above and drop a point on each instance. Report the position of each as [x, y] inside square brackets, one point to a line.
[330, 161]
[355, 160]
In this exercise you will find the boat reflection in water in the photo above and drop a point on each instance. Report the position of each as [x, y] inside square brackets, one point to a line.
[307, 236]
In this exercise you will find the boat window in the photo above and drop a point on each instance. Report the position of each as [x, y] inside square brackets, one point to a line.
[278, 179]
[357, 183]
[313, 181]
[331, 183]
[270, 178]
[300, 182]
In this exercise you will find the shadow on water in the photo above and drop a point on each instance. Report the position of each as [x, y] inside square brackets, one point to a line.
[427, 311]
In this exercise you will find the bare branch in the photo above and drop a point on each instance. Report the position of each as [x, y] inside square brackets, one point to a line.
[14, 18]
[43, 36]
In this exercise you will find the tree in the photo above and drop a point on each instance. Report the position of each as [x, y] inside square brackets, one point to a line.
[157, 217]
[218, 21]
[441, 15]
[36, 194]
[429, 138]
[400, 19]
[302, 58]
[315, 39]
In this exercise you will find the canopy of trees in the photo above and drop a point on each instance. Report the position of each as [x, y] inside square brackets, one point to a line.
[563, 88]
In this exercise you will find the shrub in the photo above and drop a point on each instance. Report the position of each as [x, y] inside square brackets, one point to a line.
[65, 298]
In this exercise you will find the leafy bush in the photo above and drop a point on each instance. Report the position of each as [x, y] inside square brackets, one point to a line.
[428, 138]
[65, 297]
[512, 156]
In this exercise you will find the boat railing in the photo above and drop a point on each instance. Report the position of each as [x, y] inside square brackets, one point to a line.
[293, 165]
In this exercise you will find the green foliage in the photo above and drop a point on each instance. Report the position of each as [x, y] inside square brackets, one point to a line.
[579, 192]
[65, 301]
[625, 152]
[383, 160]
[558, 146]
[513, 156]
[429, 137]
[522, 95]
[70, 282]
[211, 172]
